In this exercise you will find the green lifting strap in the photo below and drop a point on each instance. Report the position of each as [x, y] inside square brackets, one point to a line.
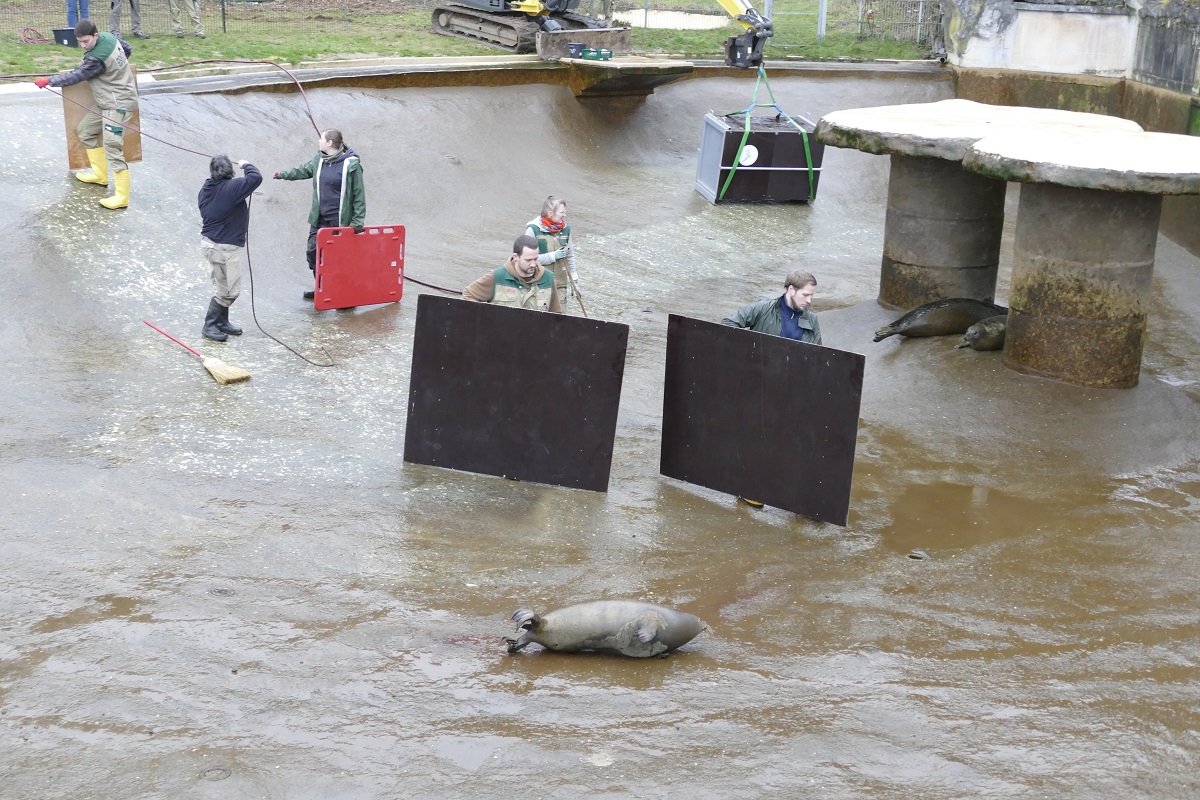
[737, 157]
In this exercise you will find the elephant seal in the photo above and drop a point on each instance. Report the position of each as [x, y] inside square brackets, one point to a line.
[940, 318]
[625, 627]
[987, 334]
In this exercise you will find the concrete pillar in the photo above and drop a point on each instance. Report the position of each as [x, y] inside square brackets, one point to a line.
[1083, 260]
[942, 235]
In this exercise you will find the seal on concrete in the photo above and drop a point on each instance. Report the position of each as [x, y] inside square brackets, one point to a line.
[987, 334]
[941, 318]
[624, 627]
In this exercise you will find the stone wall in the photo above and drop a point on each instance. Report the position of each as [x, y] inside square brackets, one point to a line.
[1082, 37]
[1002, 54]
[1167, 54]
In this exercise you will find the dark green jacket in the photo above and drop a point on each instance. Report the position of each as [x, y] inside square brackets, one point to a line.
[765, 317]
[353, 205]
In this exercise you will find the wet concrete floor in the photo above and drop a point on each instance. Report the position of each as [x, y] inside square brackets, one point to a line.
[243, 591]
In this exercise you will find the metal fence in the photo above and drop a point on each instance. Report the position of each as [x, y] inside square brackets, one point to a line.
[797, 22]
[915, 21]
[33, 20]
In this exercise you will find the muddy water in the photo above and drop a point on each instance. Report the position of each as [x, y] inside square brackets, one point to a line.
[244, 591]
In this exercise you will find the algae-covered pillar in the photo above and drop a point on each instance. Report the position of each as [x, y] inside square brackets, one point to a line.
[944, 223]
[1087, 227]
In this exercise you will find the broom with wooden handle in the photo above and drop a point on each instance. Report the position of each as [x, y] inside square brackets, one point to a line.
[222, 372]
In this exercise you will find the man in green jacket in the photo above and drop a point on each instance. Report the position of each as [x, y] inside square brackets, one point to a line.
[339, 199]
[789, 316]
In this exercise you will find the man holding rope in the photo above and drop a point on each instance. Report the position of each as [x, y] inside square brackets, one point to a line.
[106, 68]
[226, 219]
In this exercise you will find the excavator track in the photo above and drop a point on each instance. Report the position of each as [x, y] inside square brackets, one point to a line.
[514, 32]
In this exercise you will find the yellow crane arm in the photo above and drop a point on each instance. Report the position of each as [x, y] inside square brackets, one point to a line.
[746, 50]
[748, 17]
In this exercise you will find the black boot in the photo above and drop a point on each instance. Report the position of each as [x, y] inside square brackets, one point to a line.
[211, 331]
[225, 326]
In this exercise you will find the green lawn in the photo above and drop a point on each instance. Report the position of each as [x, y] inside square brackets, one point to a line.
[408, 33]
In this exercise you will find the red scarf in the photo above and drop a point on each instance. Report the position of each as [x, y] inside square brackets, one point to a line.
[553, 227]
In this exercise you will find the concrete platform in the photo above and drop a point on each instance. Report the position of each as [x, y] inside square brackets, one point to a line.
[621, 75]
[1110, 158]
[942, 236]
[1087, 229]
[946, 129]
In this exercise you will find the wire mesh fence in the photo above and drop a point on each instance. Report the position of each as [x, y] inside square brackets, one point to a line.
[800, 22]
[913, 21]
[33, 18]
[797, 22]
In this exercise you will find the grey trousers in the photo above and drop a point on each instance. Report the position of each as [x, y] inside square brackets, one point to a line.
[192, 7]
[135, 16]
[95, 132]
[226, 263]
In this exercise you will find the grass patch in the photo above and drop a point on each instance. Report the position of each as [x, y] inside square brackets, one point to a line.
[408, 33]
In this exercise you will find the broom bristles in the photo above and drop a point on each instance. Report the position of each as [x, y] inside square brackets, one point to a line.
[223, 372]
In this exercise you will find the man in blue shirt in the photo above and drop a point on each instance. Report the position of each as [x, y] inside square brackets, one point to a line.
[789, 315]
[225, 215]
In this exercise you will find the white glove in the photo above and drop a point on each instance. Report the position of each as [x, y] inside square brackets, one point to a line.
[546, 259]
[576, 289]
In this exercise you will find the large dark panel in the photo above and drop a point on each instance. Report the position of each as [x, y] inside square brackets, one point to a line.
[761, 416]
[515, 393]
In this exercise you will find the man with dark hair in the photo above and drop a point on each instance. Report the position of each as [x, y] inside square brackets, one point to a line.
[789, 315]
[106, 68]
[339, 199]
[225, 216]
[521, 283]
[135, 18]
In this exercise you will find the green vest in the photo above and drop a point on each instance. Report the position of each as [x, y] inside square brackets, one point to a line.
[511, 292]
[550, 241]
[115, 88]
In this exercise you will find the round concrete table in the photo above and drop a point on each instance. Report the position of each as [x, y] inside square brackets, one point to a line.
[1087, 226]
[942, 234]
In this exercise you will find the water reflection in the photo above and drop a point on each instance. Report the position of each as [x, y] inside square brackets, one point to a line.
[357, 650]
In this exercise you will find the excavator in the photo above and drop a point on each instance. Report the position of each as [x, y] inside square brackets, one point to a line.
[514, 24]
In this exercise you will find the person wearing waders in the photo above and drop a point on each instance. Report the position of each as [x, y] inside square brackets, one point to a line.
[790, 315]
[339, 199]
[555, 248]
[106, 68]
[225, 219]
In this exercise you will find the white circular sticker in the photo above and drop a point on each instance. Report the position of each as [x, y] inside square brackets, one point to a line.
[749, 155]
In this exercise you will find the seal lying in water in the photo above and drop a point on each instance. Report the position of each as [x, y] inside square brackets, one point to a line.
[987, 334]
[626, 627]
[941, 317]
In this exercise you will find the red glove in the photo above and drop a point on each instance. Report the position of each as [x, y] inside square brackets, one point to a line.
[42, 83]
